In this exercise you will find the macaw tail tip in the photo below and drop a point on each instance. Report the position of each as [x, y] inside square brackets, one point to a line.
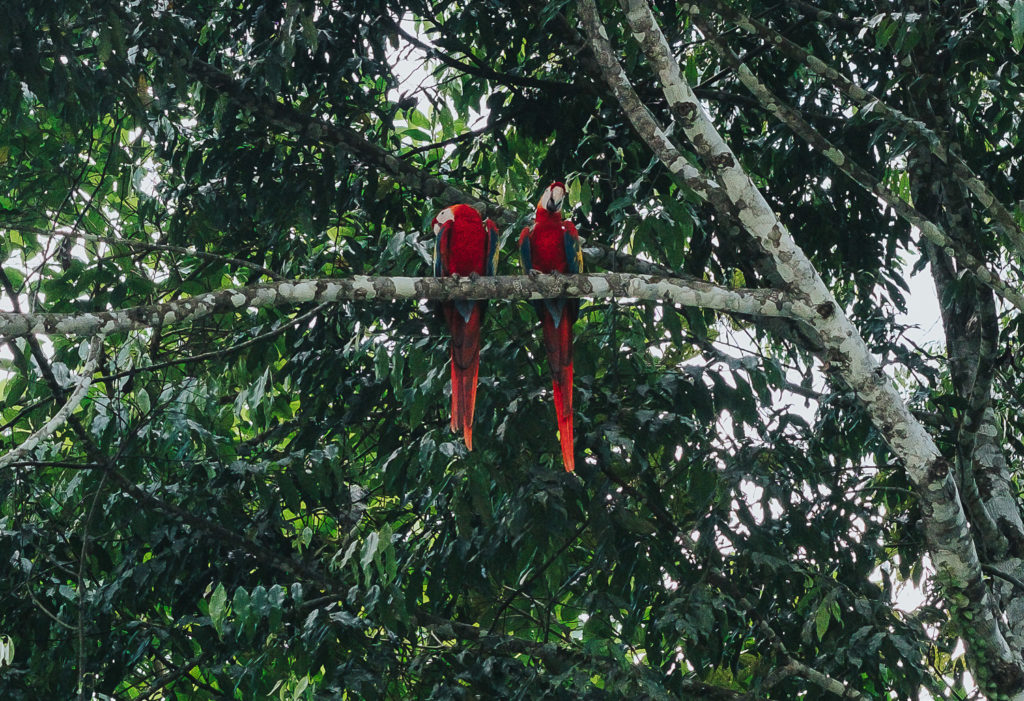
[562, 385]
[465, 369]
[565, 438]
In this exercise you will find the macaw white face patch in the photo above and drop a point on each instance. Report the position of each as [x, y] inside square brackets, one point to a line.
[445, 215]
[552, 197]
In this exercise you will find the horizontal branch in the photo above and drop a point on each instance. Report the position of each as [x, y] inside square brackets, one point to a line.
[145, 246]
[691, 293]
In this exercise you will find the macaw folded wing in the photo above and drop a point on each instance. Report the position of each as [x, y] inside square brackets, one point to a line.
[464, 245]
[552, 245]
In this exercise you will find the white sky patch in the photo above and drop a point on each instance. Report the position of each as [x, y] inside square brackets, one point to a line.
[414, 71]
[923, 313]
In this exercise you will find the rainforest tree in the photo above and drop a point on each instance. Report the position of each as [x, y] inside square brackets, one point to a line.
[226, 469]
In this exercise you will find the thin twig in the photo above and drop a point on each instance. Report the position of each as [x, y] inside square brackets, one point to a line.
[83, 553]
[150, 246]
[218, 353]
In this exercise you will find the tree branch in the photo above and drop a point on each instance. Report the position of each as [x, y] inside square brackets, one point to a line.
[81, 384]
[825, 16]
[858, 174]
[662, 519]
[199, 357]
[339, 136]
[953, 549]
[550, 654]
[409, 175]
[692, 293]
[1001, 216]
[151, 246]
[523, 81]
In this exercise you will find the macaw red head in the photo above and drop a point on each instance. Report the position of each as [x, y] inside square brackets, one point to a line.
[553, 197]
[462, 212]
[443, 217]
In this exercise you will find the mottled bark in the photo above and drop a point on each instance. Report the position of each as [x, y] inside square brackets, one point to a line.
[81, 386]
[971, 332]
[791, 118]
[953, 550]
[937, 145]
[693, 293]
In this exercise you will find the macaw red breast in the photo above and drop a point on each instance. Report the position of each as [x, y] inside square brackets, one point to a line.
[464, 245]
[548, 242]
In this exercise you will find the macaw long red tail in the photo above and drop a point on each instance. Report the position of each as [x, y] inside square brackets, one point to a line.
[558, 346]
[465, 367]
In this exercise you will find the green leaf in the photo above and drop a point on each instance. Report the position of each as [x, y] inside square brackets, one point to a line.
[218, 608]
[417, 135]
[291, 496]
[369, 550]
[16, 276]
[1017, 24]
[821, 620]
[417, 119]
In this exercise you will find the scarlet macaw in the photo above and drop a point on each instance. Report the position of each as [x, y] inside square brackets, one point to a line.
[552, 245]
[464, 245]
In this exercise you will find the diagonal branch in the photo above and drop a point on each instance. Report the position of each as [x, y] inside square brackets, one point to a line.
[485, 72]
[950, 541]
[857, 173]
[692, 293]
[663, 520]
[81, 384]
[644, 121]
[148, 246]
[1001, 216]
[409, 175]
[826, 17]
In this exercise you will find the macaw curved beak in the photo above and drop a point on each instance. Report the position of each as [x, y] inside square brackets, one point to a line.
[442, 218]
[553, 198]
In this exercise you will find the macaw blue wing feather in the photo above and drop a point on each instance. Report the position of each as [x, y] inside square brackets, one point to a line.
[556, 307]
[573, 250]
[524, 251]
[442, 242]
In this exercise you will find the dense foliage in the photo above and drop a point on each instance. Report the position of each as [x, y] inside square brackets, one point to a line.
[270, 503]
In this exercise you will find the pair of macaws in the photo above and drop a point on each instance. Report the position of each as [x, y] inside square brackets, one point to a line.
[466, 245]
